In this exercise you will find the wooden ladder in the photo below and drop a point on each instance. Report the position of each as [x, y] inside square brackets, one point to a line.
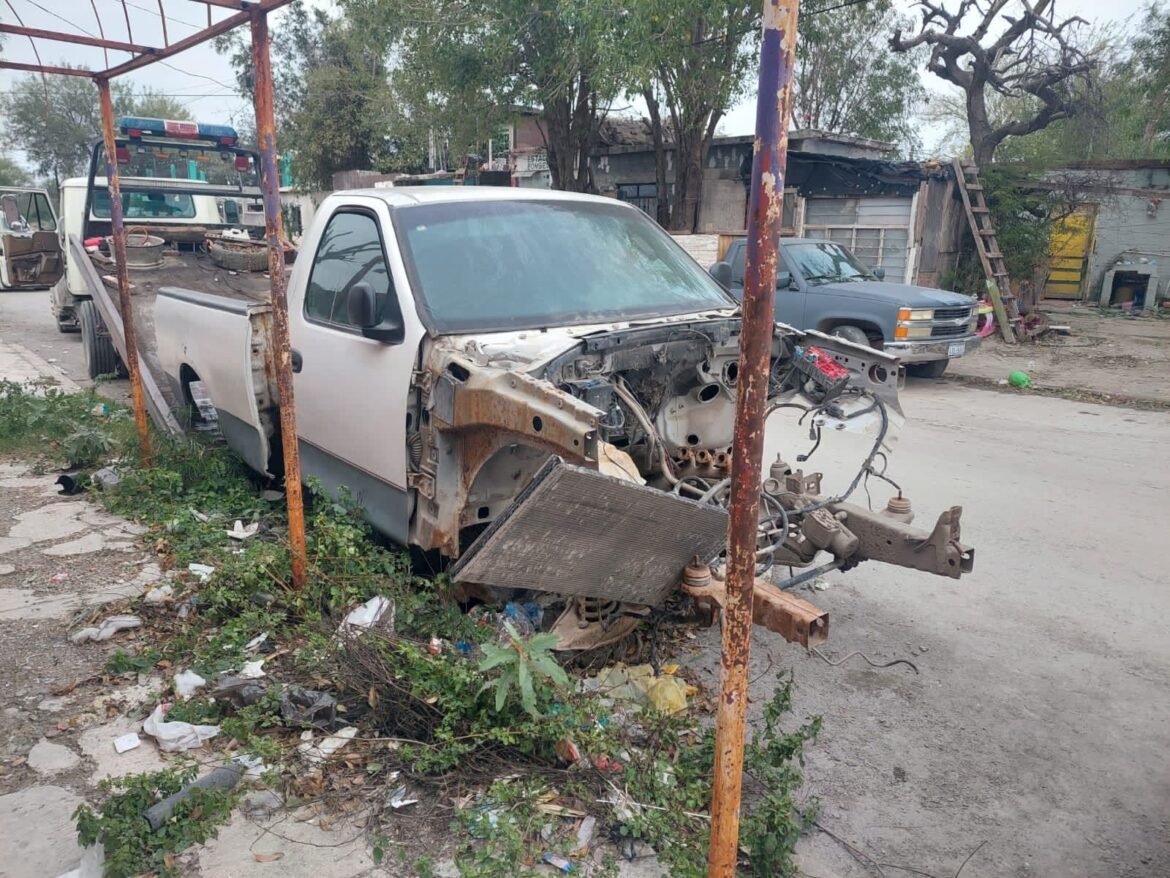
[1007, 313]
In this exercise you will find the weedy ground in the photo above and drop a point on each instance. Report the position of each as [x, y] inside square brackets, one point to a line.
[474, 726]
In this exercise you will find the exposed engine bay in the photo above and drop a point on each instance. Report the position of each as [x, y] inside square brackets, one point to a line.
[651, 407]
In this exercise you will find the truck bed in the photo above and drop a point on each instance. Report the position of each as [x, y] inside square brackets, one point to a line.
[189, 270]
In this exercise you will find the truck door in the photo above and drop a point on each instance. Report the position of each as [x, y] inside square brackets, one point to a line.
[352, 391]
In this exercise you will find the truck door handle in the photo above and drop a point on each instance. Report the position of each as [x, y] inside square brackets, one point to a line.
[297, 360]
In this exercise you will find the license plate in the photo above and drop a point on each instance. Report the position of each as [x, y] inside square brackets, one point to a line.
[956, 349]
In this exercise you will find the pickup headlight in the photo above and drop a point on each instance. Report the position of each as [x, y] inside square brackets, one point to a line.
[905, 314]
[914, 323]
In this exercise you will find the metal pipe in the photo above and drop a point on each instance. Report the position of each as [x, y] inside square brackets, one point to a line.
[765, 214]
[80, 39]
[118, 236]
[274, 230]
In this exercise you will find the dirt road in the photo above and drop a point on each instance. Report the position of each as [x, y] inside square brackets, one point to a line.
[1036, 731]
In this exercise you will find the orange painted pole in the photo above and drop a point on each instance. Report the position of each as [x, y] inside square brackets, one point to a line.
[765, 213]
[282, 348]
[118, 236]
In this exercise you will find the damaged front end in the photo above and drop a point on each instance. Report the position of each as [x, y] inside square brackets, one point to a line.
[595, 466]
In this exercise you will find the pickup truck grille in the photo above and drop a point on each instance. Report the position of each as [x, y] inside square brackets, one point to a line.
[950, 331]
[961, 313]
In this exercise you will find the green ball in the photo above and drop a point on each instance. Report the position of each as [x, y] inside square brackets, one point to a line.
[1019, 379]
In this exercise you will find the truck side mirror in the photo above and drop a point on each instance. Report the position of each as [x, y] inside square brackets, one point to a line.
[784, 280]
[362, 308]
[721, 271]
[879, 273]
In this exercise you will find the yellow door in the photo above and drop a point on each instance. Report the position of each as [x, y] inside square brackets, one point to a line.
[1069, 245]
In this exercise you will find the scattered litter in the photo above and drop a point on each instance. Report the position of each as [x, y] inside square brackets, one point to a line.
[557, 862]
[240, 691]
[70, 484]
[271, 496]
[107, 477]
[241, 532]
[307, 706]
[435, 646]
[568, 751]
[59, 577]
[223, 778]
[525, 618]
[107, 629]
[174, 737]
[397, 798]
[638, 684]
[203, 571]
[253, 670]
[327, 746]
[200, 516]
[127, 742]
[159, 595]
[187, 606]
[187, 683]
[1020, 379]
[254, 767]
[370, 613]
[256, 642]
[261, 803]
[585, 833]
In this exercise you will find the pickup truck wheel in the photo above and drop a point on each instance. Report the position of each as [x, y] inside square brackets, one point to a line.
[100, 356]
[933, 369]
[854, 334]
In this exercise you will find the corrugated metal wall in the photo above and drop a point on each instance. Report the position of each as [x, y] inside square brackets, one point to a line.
[877, 230]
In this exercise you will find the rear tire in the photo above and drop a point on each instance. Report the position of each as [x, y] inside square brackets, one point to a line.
[933, 369]
[100, 356]
[854, 334]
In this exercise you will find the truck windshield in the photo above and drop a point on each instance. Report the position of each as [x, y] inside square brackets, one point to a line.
[499, 265]
[823, 262]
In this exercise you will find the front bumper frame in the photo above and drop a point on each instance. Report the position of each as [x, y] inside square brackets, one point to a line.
[929, 349]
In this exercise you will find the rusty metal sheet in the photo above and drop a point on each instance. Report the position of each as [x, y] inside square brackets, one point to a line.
[573, 531]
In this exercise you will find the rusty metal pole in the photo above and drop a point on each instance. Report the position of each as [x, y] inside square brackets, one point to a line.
[118, 234]
[274, 229]
[765, 215]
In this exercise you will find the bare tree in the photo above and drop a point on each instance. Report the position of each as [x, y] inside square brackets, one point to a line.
[1034, 59]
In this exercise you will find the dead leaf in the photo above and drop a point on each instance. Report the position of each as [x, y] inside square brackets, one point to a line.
[267, 858]
[68, 687]
[169, 861]
[372, 698]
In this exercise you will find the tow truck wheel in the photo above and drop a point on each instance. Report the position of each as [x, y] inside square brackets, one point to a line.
[933, 369]
[100, 356]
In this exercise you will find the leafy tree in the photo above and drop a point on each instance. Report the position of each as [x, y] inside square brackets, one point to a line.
[334, 108]
[692, 60]
[57, 122]
[12, 173]
[1015, 49]
[846, 79]
[464, 65]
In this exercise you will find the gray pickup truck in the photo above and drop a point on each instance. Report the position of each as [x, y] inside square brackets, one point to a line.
[821, 285]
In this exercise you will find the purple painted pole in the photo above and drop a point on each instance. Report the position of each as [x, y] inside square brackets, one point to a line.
[765, 217]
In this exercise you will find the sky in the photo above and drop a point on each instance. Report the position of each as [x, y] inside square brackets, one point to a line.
[202, 81]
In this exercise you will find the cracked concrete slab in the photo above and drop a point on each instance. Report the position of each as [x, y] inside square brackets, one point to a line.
[53, 521]
[98, 744]
[47, 757]
[83, 545]
[24, 603]
[37, 835]
[12, 544]
[5, 569]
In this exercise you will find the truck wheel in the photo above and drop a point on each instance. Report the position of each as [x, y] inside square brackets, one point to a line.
[854, 334]
[100, 356]
[933, 369]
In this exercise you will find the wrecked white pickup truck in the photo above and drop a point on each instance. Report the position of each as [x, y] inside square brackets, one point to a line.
[540, 386]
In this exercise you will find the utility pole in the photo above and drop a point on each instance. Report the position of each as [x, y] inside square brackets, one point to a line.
[765, 218]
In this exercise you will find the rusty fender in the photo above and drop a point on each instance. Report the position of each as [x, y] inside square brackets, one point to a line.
[475, 412]
[885, 539]
[793, 618]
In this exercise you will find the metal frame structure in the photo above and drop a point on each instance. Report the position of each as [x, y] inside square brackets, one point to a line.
[254, 13]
